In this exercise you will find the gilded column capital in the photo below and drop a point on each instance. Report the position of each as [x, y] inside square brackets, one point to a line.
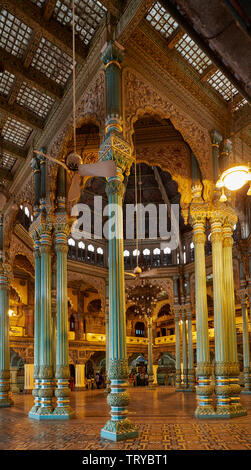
[216, 138]
[115, 186]
[112, 54]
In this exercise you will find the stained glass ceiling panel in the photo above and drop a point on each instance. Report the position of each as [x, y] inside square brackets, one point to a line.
[88, 16]
[14, 34]
[6, 82]
[53, 62]
[161, 20]
[7, 161]
[193, 54]
[16, 132]
[221, 84]
[34, 100]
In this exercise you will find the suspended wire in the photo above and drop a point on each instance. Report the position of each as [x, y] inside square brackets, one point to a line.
[74, 77]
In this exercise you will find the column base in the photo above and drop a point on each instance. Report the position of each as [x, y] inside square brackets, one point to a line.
[6, 402]
[179, 389]
[63, 413]
[204, 412]
[119, 430]
[41, 414]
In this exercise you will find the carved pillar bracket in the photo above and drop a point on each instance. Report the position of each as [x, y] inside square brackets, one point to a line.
[63, 409]
[204, 389]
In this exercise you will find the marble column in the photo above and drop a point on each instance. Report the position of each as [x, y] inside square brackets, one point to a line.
[222, 384]
[5, 395]
[115, 148]
[234, 369]
[245, 333]
[45, 351]
[150, 353]
[37, 318]
[204, 390]
[177, 335]
[63, 409]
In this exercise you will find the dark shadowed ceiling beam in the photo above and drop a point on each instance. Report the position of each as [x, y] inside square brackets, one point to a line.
[132, 16]
[20, 114]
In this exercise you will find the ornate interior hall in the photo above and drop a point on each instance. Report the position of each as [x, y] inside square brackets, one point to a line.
[125, 225]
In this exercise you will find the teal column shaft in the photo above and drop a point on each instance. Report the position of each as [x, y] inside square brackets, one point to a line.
[246, 354]
[37, 326]
[190, 353]
[62, 393]
[119, 427]
[45, 351]
[5, 397]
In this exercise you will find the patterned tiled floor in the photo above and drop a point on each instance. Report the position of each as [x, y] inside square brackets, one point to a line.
[164, 419]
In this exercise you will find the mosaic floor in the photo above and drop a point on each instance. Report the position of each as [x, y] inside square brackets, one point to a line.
[164, 419]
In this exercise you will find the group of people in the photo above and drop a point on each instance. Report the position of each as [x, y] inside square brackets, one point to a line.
[138, 379]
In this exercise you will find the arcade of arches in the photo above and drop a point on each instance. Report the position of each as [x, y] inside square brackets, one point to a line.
[73, 343]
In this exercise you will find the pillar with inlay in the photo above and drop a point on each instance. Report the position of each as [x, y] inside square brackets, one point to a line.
[37, 326]
[150, 352]
[5, 395]
[234, 369]
[115, 148]
[184, 348]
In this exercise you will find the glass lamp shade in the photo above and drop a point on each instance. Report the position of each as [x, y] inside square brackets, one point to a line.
[234, 178]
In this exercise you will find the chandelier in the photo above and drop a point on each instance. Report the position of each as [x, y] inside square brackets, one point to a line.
[145, 295]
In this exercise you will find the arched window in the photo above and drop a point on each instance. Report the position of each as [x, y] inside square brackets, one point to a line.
[146, 252]
[72, 323]
[26, 211]
[81, 245]
[178, 258]
[191, 245]
[91, 257]
[167, 250]
[91, 248]
[156, 251]
[100, 256]
[100, 251]
[135, 253]
[191, 251]
[140, 329]
[71, 242]
[126, 253]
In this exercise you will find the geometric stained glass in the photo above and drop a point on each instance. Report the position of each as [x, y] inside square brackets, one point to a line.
[193, 54]
[221, 84]
[52, 61]
[88, 16]
[161, 20]
[14, 34]
[16, 132]
[34, 100]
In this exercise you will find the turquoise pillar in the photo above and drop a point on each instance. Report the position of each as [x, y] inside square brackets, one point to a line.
[116, 148]
[5, 395]
[107, 389]
[204, 390]
[63, 409]
[37, 309]
[45, 351]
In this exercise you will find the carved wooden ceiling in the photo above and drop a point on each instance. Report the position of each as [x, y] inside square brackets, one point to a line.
[36, 61]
